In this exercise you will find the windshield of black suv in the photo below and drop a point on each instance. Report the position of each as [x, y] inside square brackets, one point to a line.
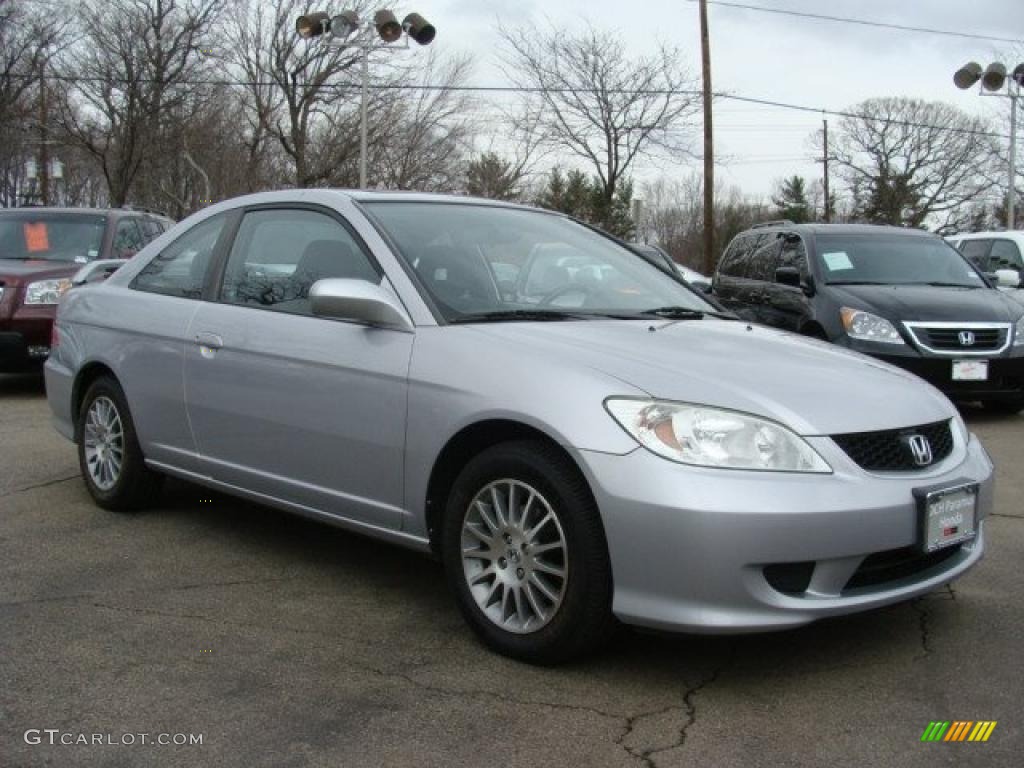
[50, 236]
[893, 260]
[496, 263]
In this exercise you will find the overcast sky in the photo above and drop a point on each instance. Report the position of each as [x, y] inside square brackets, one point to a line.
[797, 60]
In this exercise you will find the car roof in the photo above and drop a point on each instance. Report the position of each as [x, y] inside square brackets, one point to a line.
[996, 235]
[37, 209]
[843, 229]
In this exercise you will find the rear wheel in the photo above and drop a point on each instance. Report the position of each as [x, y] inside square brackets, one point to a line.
[109, 455]
[525, 554]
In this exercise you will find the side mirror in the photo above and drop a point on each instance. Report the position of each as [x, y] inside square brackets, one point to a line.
[1007, 278]
[788, 276]
[360, 301]
[97, 271]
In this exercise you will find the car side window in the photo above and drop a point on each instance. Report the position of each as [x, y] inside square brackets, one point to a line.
[762, 261]
[128, 239]
[738, 258]
[793, 254]
[1004, 255]
[976, 251]
[180, 270]
[278, 254]
[151, 229]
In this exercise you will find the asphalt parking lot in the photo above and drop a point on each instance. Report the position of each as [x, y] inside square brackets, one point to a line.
[287, 643]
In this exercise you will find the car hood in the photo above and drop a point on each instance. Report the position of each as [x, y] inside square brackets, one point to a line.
[811, 386]
[20, 270]
[927, 302]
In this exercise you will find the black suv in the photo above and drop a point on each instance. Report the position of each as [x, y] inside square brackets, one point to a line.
[901, 295]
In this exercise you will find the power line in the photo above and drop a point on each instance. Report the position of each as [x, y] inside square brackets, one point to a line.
[223, 82]
[861, 22]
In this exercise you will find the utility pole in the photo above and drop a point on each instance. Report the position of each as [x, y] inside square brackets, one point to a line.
[44, 145]
[709, 153]
[1011, 195]
[824, 161]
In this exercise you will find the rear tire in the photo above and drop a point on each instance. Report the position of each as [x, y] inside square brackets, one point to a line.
[109, 455]
[520, 514]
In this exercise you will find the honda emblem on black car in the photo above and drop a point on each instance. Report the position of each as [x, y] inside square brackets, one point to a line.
[920, 449]
[966, 338]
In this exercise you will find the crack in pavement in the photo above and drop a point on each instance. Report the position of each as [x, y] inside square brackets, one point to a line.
[688, 708]
[923, 618]
[41, 484]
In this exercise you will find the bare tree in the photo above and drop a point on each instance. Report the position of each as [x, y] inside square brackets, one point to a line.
[129, 73]
[596, 102]
[910, 161]
[296, 92]
[28, 40]
[424, 128]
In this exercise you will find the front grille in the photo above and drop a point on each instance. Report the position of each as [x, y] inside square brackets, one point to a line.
[949, 338]
[888, 450]
[968, 339]
[895, 564]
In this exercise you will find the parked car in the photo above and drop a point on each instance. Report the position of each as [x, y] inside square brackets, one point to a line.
[41, 249]
[998, 255]
[659, 257]
[629, 453]
[900, 295]
[991, 251]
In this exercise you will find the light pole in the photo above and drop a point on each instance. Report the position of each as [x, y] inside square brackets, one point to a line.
[345, 29]
[993, 78]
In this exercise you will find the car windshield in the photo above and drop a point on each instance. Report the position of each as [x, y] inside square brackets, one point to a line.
[49, 236]
[491, 262]
[893, 260]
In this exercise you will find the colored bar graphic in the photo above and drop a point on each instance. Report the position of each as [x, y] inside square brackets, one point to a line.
[958, 730]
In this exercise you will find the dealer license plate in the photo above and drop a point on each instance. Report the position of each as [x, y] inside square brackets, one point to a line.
[970, 370]
[949, 516]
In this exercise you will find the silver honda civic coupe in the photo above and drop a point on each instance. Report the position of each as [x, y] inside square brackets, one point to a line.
[576, 434]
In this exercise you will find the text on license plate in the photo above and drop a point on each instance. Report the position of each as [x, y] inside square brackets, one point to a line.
[950, 516]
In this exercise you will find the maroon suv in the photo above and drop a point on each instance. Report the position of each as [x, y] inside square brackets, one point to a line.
[40, 250]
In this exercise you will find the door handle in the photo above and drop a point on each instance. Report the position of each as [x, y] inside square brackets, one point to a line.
[211, 340]
[209, 343]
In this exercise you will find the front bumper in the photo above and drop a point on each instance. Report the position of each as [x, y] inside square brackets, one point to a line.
[1005, 374]
[689, 546]
[25, 338]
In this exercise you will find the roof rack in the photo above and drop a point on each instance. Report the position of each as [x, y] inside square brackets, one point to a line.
[774, 223]
[144, 209]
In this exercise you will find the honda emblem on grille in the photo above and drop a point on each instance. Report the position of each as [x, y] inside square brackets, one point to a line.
[966, 338]
[920, 449]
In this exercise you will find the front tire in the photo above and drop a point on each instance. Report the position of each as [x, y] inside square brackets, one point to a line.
[525, 554]
[109, 455]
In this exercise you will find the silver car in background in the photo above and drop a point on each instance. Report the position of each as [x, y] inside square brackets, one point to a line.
[578, 436]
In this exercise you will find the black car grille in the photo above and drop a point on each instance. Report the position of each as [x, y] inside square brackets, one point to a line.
[895, 564]
[949, 339]
[888, 450]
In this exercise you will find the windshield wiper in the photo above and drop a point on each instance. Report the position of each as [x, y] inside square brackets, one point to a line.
[527, 315]
[686, 313]
[939, 284]
[857, 282]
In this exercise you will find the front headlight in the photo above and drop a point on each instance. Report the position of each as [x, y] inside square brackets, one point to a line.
[714, 437]
[1018, 334]
[868, 327]
[46, 291]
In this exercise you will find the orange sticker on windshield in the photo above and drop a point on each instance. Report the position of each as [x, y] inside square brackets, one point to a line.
[36, 238]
